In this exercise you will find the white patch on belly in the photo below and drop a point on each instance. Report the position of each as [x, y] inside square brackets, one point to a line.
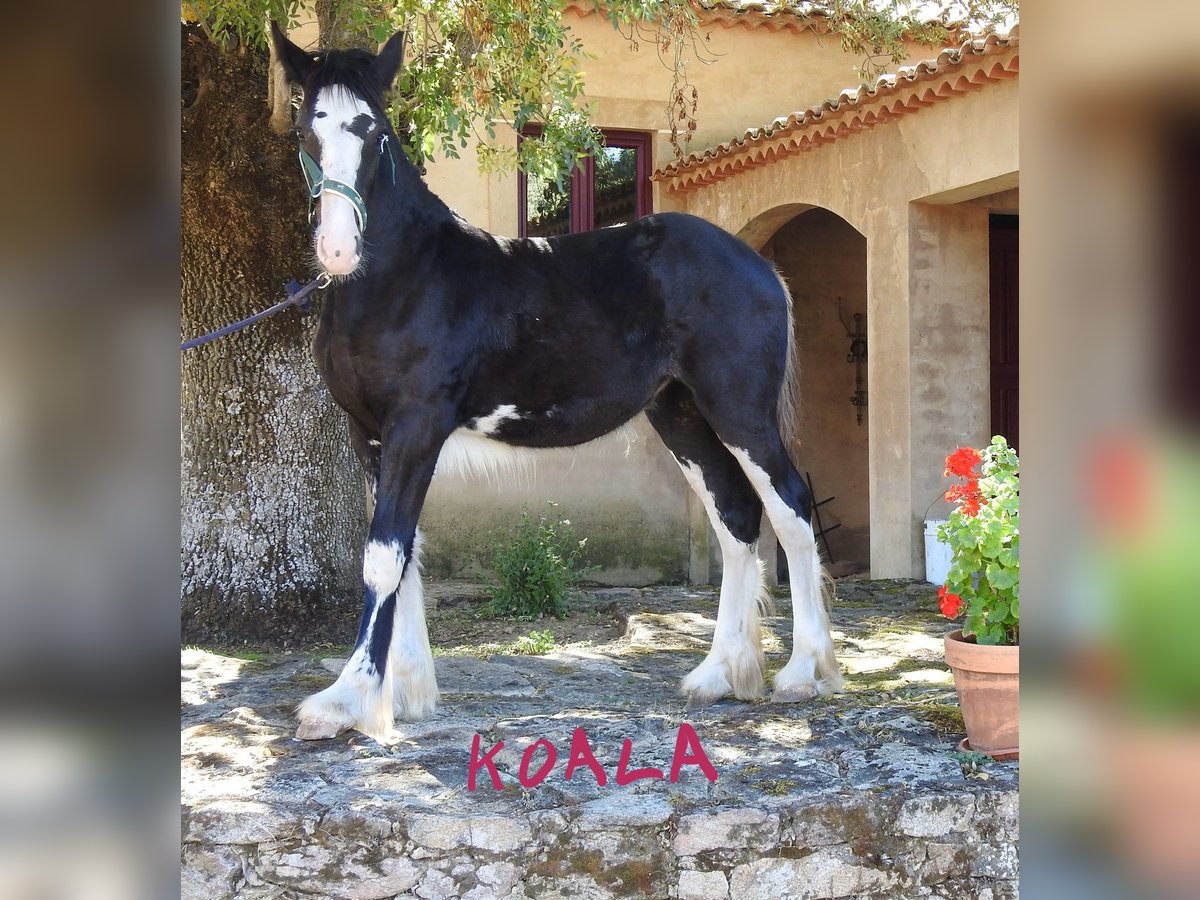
[489, 424]
[470, 453]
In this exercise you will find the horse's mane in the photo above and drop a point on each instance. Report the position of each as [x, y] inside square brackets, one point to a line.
[350, 69]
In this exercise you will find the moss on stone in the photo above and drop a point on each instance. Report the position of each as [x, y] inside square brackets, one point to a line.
[887, 679]
[786, 852]
[946, 718]
[844, 603]
[306, 681]
[863, 826]
[561, 860]
[630, 874]
[779, 787]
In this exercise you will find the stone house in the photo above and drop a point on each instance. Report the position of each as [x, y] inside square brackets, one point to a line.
[890, 209]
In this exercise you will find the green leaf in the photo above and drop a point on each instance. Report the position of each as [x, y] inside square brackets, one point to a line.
[999, 577]
[990, 635]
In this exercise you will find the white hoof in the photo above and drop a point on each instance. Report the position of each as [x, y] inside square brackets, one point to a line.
[798, 693]
[725, 674]
[705, 687]
[804, 678]
[317, 728]
[324, 715]
[356, 700]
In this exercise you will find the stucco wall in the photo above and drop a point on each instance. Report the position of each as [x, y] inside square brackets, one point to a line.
[825, 263]
[624, 494]
[949, 334]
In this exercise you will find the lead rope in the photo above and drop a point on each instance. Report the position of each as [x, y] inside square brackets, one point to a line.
[296, 296]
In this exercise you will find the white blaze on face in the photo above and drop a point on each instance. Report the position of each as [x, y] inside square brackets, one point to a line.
[338, 241]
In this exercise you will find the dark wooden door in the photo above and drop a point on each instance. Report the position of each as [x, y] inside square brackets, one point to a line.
[1004, 303]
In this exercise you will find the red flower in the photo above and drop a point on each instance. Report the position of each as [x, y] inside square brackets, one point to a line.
[952, 604]
[967, 496]
[1121, 490]
[962, 462]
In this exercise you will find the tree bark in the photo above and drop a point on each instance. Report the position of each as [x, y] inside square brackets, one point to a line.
[341, 30]
[272, 513]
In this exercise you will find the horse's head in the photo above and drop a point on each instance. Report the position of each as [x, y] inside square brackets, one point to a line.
[344, 136]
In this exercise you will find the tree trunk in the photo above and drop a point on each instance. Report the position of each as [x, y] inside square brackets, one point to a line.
[272, 513]
[340, 29]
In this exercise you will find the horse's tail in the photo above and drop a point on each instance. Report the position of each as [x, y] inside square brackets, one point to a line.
[789, 391]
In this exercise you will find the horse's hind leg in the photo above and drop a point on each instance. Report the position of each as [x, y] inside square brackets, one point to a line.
[734, 665]
[813, 668]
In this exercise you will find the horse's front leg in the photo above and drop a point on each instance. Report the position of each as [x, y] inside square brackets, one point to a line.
[390, 671]
[410, 659]
[367, 449]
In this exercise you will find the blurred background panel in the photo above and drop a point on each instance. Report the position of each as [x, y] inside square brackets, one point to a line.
[1111, 481]
[88, 450]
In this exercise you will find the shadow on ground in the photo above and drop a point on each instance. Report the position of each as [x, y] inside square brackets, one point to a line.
[859, 794]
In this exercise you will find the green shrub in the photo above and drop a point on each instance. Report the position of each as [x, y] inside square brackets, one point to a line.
[535, 643]
[535, 568]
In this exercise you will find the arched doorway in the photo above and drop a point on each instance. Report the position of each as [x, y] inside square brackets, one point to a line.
[823, 258]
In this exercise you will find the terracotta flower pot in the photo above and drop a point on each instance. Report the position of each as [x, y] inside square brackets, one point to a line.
[1154, 786]
[986, 678]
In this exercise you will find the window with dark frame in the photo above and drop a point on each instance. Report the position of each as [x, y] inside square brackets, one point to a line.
[610, 188]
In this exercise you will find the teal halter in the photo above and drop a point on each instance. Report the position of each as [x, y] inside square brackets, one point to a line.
[317, 182]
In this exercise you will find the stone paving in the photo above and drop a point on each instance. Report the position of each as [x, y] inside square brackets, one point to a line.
[856, 795]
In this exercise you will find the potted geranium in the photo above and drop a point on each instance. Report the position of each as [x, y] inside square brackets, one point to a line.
[1142, 684]
[983, 589]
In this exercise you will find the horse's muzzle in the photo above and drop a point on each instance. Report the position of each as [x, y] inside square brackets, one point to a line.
[339, 255]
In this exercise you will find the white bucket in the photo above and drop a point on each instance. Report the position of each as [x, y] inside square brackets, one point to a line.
[937, 554]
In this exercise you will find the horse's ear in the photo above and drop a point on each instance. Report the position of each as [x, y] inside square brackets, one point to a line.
[389, 60]
[296, 64]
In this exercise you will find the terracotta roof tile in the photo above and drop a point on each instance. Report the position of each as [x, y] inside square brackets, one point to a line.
[785, 15]
[954, 71]
[813, 14]
[792, 17]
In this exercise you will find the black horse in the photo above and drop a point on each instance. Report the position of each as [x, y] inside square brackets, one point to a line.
[441, 340]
